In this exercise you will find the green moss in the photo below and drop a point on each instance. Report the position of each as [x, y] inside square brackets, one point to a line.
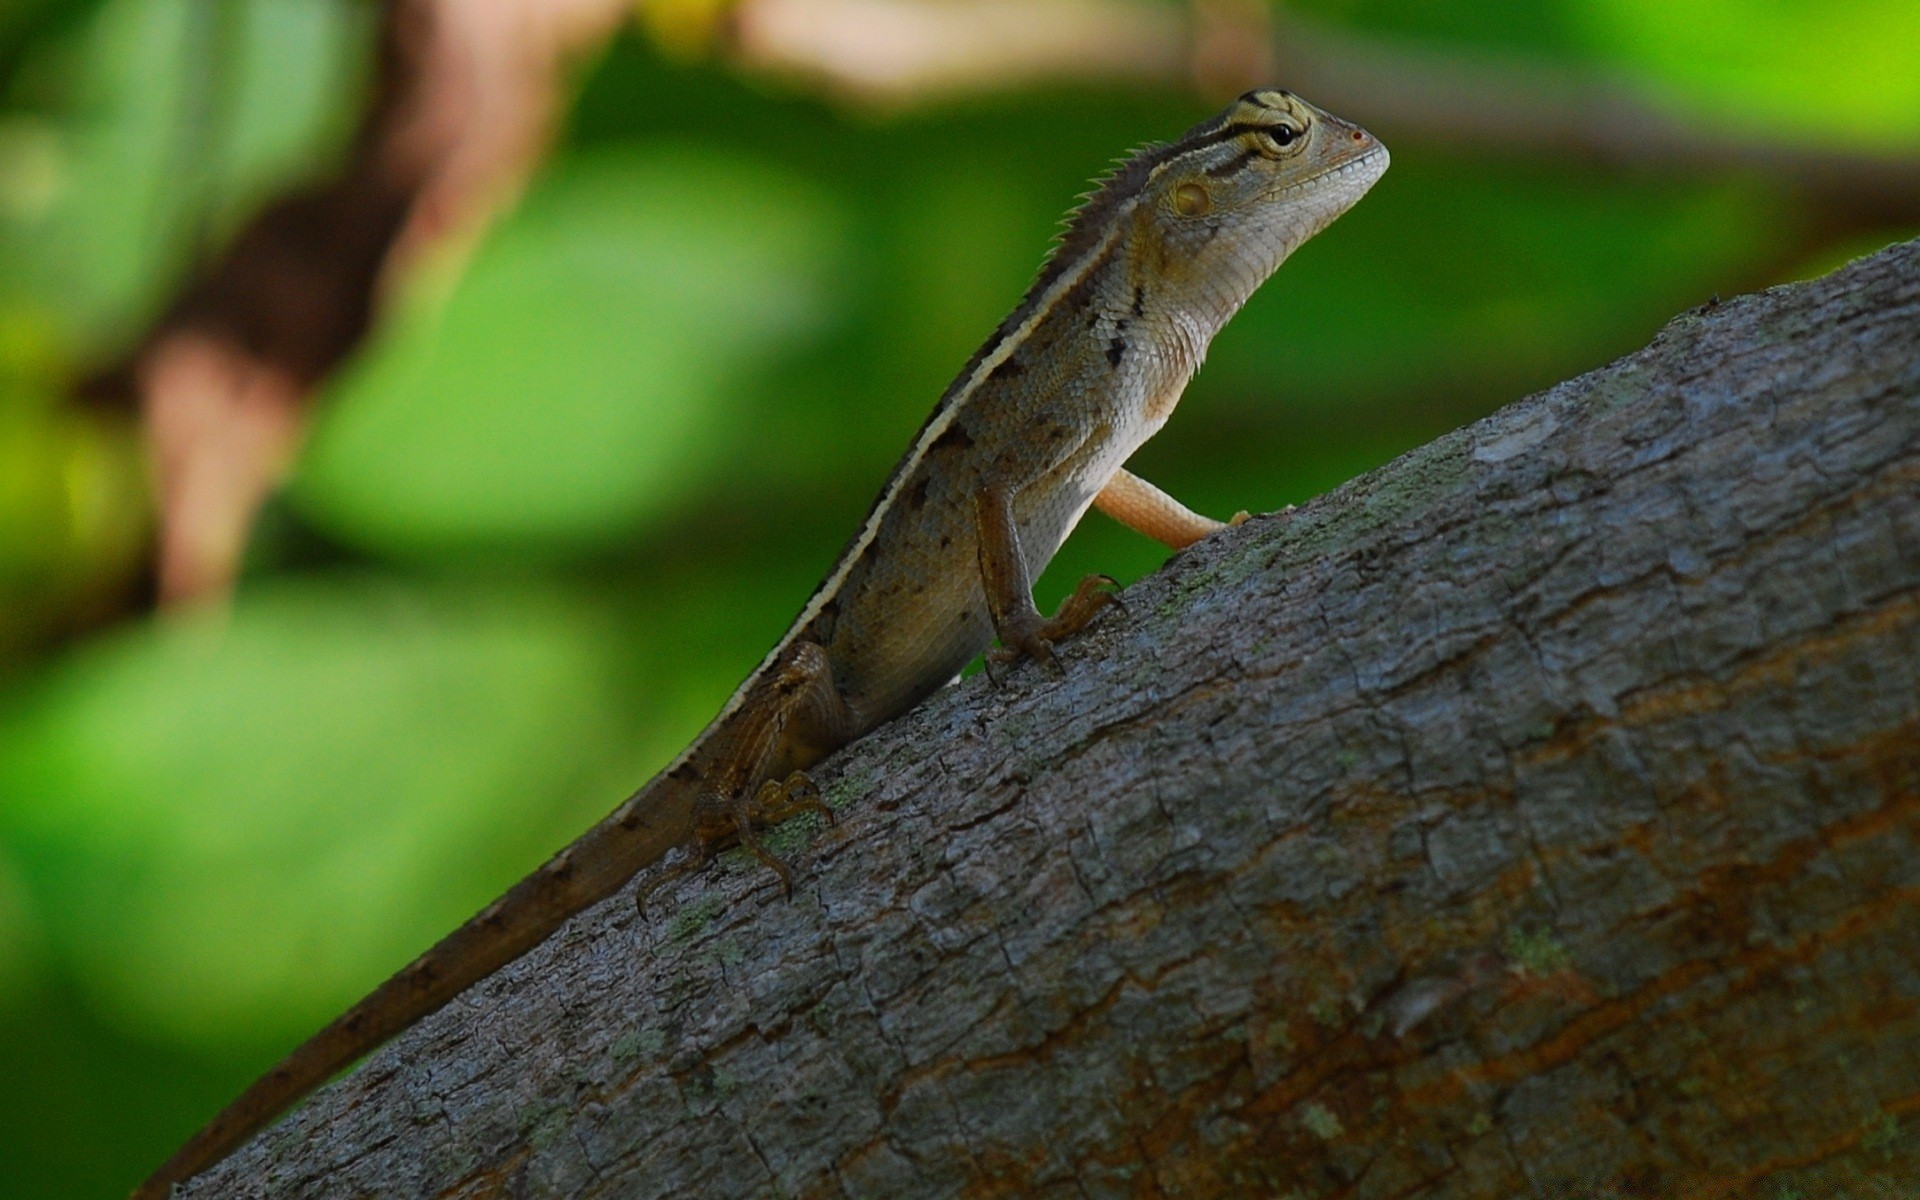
[725, 1084]
[792, 835]
[1279, 1037]
[855, 785]
[1388, 495]
[1624, 385]
[1235, 567]
[543, 1123]
[1880, 1135]
[694, 917]
[728, 952]
[1321, 1122]
[638, 1043]
[1537, 953]
[1414, 481]
[821, 1018]
[1385, 498]
[1481, 1125]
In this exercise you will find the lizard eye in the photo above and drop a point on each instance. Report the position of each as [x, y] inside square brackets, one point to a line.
[1283, 135]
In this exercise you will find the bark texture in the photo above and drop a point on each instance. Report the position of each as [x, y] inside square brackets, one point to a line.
[1537, 815]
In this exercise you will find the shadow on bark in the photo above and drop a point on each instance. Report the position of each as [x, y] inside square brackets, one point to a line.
[1536, 815]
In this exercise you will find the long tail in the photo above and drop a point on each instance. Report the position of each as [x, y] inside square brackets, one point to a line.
[638, 833]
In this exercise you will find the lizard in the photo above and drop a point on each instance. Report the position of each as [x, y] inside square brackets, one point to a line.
[1035, 430]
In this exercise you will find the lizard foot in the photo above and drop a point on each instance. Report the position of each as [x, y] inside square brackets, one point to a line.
[777, 802]
[746, 817]
[1034, 638]
[719, 820]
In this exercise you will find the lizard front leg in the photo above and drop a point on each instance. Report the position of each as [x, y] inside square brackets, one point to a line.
[1009, 588]
[1146, 509]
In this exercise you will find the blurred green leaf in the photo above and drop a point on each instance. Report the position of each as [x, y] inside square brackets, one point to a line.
[1838, 72]
[26, 25]
[19, 932]
[91, 1110]
[73, 508]
[235, 828]
[163, 123]
[575, 381]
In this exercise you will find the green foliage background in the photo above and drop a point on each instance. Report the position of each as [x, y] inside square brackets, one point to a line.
[566, 499]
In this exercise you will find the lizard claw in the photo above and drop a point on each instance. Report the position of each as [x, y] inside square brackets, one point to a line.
[696, 857]
[798, 793]
[1032, 637]
[1079, 609]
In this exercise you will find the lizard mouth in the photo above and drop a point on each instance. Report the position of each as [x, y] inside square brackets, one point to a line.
[1366, 159]
[1371, 163]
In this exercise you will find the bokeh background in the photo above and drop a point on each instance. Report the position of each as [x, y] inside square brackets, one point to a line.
[416, 417]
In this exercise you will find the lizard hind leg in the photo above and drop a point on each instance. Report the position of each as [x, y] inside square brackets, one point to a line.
[719, 820]
[795, 713]
[777, 801]
[745, 818]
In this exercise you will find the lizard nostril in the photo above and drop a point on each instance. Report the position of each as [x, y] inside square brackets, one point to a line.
[1359, 135]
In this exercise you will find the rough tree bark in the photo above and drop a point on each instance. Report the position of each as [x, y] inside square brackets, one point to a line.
[1536, 815]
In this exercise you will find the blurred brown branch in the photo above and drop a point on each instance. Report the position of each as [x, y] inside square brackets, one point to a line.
[465, 97]
[896, 52]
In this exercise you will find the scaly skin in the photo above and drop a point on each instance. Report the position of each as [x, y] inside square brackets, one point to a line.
[1034, 430]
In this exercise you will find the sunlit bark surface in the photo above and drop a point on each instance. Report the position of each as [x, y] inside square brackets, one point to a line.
[1537, 815]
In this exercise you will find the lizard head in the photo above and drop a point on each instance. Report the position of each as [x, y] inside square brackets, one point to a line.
[1224, 206]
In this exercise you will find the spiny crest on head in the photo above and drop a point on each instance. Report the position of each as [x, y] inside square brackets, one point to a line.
[1082, 226]
[1101, 183]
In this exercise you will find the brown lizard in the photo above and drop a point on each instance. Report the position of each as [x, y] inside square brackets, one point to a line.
[1035, 429]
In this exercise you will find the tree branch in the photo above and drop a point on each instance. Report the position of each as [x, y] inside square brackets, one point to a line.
[1537, 813]
[464, 99]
